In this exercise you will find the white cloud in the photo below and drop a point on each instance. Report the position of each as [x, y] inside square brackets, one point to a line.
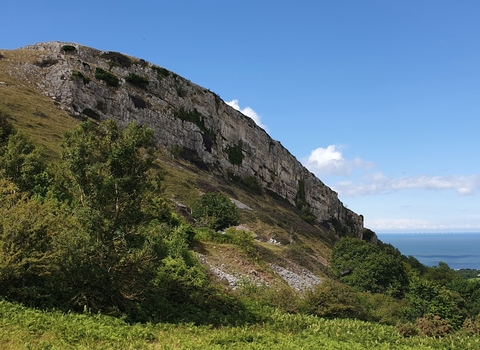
[378, 183]
[249, 112]
[330, 161]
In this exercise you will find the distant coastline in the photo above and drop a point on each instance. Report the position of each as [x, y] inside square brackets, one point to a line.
[460, 250]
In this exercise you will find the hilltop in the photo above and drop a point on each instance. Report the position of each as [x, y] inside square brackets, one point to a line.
[205, 144]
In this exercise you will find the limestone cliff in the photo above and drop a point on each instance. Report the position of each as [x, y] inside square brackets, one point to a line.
[188, 119]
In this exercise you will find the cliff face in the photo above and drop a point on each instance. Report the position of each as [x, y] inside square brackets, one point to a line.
[188, 119]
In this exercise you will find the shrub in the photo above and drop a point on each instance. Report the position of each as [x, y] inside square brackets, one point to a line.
[331, 299]
[109, 78]
[433, 326]
[6, 128]
[235, 153]
[253, 184]
[195, 117]
[79, 75]
[243, 239]
[161, 72]
[407, 329]
[217, 211]
[471, 325]
[118, 59]
[68, 48]
[137, 80]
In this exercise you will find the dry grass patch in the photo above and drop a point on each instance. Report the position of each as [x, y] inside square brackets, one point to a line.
[29, 111]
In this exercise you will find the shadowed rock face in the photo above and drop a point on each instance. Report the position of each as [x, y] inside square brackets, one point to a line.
[185, 116]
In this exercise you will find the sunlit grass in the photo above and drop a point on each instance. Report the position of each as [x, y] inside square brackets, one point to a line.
[34, 114]
[24, 328]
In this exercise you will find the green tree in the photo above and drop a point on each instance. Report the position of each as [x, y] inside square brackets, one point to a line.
[117, 202]
[428, 298]
[441, 274]
[333, 299]
[217, 211]
[27, 259]
[6, 129]
[21, 161]
[366, 267]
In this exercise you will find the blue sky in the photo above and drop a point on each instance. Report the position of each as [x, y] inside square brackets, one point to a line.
[380, 99]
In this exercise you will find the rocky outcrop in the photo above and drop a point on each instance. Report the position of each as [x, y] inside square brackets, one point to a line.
[188, 119]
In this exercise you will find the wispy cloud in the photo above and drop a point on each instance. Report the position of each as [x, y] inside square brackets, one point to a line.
[249, 112]
[378, 183]
[330, 161]
[416, 225]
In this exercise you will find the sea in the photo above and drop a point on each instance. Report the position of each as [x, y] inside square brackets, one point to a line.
[458, 250]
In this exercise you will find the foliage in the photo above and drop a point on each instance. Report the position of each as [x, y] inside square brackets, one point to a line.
[6, 129]
[469, 291]
[306, 213]
[216, 210]
[468, 273]
[366, 267]
[161, 72]
[441, 274]
[195, 117]
[332, 299]
[68, 48]
[79, 75]
[253, 184]
[433, 326]
[235, 153]
[428, 298]
[21, 161]
[471, 326]
[26, 230]
[117, 58]
[137, 80]
[101, 237]
[109, 78]
[31, 328]
[383, 309]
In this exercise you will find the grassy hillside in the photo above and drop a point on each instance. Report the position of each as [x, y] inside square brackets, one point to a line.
[22, 328]
[34, 114]
[204, 288]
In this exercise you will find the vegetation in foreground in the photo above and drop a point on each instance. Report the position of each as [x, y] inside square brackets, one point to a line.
[92, 234]
[25, 328]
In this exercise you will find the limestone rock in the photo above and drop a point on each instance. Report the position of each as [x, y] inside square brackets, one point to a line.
[186, 116]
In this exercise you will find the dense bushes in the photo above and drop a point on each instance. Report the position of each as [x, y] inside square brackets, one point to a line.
[137, 80]
[99, 235]
[366, 267]
[216, 211]
[235, 153]
[109, 78]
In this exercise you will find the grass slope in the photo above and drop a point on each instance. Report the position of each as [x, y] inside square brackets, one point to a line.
[23, 328]
[36, 115]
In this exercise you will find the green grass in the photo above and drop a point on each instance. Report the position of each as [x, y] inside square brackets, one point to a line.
[29, 111]
[24, 328]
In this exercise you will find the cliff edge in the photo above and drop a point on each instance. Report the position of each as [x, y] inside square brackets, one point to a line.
[191, 121]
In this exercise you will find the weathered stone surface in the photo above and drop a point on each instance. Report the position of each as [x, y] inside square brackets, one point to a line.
[219, 128]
